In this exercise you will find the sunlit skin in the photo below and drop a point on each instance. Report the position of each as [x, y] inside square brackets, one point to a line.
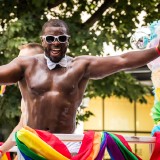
[52, 96]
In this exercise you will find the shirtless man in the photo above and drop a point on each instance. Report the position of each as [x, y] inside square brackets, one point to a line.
[29, 49]
[52, 92]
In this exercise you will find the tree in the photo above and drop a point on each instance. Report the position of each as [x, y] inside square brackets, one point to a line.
[92, 22]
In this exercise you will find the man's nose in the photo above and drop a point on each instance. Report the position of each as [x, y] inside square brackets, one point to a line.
[56, 42]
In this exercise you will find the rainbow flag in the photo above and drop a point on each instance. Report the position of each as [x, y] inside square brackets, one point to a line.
[6, 156]
[2, 90]
[42, 145]
[156, 152]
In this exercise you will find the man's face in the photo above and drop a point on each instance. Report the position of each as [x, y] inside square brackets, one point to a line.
[55, 50]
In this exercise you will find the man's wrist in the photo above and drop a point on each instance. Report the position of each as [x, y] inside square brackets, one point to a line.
[158, 50]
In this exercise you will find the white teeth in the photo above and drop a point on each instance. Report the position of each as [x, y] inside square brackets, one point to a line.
[56, 49]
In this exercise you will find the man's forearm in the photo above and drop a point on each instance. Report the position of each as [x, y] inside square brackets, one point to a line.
[136, 59]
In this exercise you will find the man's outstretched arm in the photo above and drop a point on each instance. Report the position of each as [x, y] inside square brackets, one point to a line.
[100, 67]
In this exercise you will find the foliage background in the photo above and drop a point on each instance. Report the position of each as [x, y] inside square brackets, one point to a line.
[111, 21]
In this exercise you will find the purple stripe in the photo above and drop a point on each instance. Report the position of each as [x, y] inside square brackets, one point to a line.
[113, 149]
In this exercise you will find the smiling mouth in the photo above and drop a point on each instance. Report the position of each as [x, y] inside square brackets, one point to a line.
[55, 51]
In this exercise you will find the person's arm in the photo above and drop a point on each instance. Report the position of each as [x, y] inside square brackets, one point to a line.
[9, 143]
[11, 72]
[100, 67]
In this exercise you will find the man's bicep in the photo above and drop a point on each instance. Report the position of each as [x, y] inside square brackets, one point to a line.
[11, 73]
[101, 67]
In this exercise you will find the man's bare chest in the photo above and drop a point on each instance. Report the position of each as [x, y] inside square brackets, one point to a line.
[44, 80]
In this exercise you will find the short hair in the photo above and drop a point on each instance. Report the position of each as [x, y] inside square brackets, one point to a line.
[55, 23]
[31, 45]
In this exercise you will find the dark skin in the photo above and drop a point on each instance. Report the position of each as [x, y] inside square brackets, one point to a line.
[53, 96]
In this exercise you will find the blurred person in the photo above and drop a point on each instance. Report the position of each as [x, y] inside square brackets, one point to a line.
[29, 49]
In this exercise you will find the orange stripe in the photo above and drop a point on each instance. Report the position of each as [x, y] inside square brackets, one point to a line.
[96, 146]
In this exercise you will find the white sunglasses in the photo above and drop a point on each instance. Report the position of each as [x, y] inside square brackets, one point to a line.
[61, 38]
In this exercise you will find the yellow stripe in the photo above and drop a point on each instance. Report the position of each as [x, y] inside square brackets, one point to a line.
[3, 87]
[4, 157]
[37, 145]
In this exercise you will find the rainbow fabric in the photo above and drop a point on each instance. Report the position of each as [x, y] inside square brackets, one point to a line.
[2, 90]
[42, 145]
[156, 152]
[6, 156]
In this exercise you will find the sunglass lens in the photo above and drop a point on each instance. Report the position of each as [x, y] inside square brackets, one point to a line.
[62, 38]
[50, 39]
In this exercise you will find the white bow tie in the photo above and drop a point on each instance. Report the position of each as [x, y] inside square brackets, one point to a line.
[51, 65]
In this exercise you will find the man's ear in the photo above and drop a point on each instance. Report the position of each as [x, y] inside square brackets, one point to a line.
[42, 39]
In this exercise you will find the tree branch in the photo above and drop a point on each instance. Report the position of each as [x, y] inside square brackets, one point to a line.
[99, 12]
[50, 5]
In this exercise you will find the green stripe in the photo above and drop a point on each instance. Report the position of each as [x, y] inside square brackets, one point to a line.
[126, 153]
[24, 149]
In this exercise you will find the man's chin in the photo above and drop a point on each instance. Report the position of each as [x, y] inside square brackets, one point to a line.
[55, 57]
